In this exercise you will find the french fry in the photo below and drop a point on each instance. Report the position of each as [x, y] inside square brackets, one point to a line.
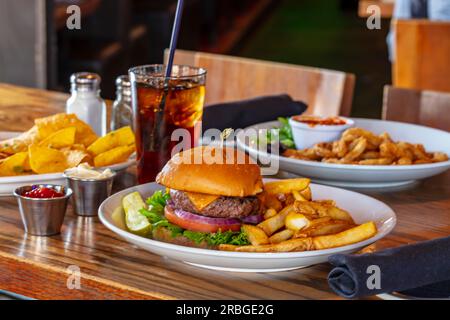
[306, 193]
[339, 214]
[271, 201]
[325, 228]
[298, 196]
[285, 246]
[255, 235]
[269, 213]
[350, 236]
[275, 223]
[296, 221]
[283, 235]
[286, 186]
[304, 207]
[228, 247]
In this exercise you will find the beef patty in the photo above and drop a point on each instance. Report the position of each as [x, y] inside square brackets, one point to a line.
[223, 207]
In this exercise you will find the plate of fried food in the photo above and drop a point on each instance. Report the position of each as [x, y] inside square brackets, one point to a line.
[369, 154]
[223, 216]
[57, 143]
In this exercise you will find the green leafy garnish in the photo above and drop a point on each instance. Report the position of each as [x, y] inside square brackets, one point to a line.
[283, 133]
[214, 239]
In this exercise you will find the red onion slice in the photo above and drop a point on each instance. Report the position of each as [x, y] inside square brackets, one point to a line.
[207, 220]
[253, 219]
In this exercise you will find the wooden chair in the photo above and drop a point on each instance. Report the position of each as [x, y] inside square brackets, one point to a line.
[422, 55]
[326, 92]
[429, 108]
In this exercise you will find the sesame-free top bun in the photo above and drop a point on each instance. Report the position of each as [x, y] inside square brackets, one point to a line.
[212, 170]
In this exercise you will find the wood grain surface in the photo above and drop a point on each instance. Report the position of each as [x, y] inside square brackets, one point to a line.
[111, 268]
[422, 55]
[428, 108]
[233, 78]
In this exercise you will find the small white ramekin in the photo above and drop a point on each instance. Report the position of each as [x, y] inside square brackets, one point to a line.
[306, 136]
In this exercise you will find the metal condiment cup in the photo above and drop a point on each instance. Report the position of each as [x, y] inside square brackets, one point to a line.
[42, 216]
[88, 194]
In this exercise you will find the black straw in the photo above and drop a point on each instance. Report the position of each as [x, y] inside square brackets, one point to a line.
[174, 37]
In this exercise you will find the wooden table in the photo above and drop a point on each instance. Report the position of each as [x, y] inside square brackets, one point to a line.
[386, 8]
[111, 268]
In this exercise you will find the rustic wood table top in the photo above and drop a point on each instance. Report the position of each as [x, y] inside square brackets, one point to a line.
[37, 267]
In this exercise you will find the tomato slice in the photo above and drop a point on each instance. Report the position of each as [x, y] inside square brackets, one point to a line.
[199, 223]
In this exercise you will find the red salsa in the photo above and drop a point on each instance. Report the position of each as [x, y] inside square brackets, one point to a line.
[43, 193]
[314, 121]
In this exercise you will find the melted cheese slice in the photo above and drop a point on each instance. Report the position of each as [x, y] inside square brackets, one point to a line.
[201, 200]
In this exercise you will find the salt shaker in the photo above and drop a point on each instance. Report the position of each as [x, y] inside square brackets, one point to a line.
[122, 114]
[86, 102]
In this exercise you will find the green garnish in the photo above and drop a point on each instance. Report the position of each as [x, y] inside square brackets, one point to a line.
[283, 134]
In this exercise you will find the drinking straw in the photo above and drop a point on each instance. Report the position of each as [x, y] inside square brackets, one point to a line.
[158, 125]
[174, 37]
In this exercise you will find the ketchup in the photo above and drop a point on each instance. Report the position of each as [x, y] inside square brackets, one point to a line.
[43, 193]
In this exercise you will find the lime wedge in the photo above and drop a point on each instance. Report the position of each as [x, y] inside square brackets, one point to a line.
[135, 221]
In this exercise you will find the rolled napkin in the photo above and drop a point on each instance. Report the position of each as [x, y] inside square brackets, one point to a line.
[244, 113]
[421, 269]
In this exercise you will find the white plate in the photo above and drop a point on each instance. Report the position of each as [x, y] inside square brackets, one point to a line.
[361, 207]
[9, 184]
[345, 175]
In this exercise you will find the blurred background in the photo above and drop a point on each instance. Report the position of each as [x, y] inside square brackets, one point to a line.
[38, 50]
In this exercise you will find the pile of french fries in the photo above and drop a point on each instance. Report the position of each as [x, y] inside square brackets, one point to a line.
[360, 146]
[294, 222]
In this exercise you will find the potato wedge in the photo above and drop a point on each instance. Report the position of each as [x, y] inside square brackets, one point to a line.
[350, 236]
[255, 235]
[283, 235]
[286, 186]
[275, 223]
[285, 246]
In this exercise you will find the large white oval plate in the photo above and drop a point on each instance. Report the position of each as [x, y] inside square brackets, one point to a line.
[9, 184]
[361, 175]
[361, 207]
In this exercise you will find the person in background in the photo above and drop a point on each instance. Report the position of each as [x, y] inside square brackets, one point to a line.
[417, 9]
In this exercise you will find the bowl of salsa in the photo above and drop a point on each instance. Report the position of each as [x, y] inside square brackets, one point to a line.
[309, 130]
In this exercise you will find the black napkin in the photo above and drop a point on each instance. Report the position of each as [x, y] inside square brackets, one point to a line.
[421, 270]
[244, 113]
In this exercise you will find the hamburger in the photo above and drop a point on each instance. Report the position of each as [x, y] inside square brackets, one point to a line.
[210, 193]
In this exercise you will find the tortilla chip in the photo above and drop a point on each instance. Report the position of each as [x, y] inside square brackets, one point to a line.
[75, 157]
[84, 133]
[113, 156]
[46, 160]
[14, 165]
[60, 139]
[21, 142]
[120, 137]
